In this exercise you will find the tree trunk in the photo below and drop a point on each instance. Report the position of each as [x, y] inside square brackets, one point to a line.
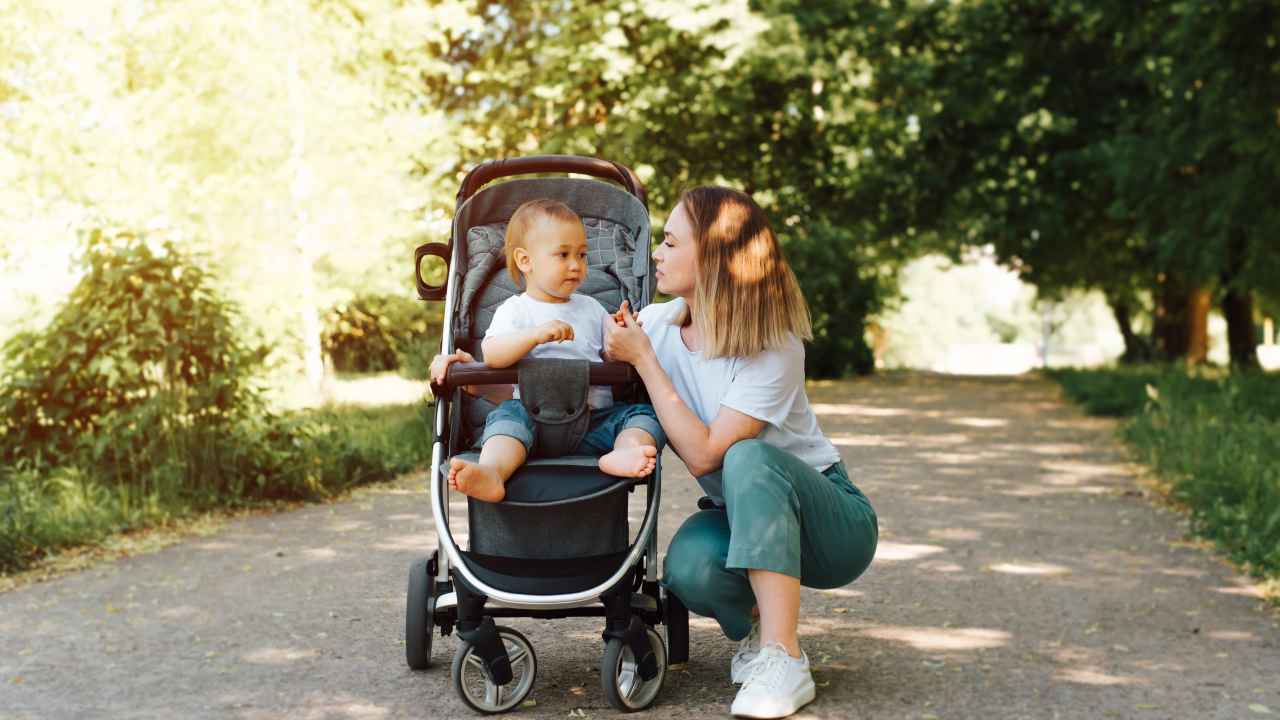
[301, 187]
[1136, 348]
[1170, 320]
[1237, 307]
[1182, 320]
[1199, 300]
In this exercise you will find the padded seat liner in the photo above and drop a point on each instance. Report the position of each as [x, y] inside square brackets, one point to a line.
[556, 481]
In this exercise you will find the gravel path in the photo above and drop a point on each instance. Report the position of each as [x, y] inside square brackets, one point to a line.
[1022, 573]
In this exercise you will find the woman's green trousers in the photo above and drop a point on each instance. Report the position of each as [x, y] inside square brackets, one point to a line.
[781, 515]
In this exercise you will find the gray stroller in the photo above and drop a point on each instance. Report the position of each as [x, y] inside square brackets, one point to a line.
[559, 545]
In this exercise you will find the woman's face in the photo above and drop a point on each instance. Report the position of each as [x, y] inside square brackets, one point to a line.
[676, 257]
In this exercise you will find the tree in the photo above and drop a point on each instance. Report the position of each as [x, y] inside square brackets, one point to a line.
[1207, 145]
[691, 93]
[1053, 130]
[287, 140]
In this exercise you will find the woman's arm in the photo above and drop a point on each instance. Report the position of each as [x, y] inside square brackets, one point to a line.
[700, 446]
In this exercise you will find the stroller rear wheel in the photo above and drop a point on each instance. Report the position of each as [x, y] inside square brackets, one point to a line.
[419, 622]
[620, 675]
[475, 687]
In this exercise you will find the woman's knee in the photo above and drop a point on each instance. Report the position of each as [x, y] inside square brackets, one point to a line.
[745, 455]
[751, 471]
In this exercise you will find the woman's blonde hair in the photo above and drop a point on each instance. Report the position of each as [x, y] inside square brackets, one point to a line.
[523, 220]
[745, 294]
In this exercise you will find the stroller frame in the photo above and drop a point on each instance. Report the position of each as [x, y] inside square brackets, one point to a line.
[445, 592]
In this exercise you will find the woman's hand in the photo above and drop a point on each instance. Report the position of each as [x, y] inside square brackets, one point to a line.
[627, 342]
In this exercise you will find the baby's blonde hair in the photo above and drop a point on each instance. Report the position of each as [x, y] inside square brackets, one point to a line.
[523, 220]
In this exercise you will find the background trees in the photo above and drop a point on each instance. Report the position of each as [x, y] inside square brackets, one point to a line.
[305, 146]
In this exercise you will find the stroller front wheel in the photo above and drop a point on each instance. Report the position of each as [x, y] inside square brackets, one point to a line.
[620, 674]
[481, 693]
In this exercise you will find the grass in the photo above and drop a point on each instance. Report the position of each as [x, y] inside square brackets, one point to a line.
[1214, 437]
[312, 454]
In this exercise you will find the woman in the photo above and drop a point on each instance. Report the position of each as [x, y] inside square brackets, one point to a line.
[724, 367]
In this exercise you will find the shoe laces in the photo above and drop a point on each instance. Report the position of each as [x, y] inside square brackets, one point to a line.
[768, 667]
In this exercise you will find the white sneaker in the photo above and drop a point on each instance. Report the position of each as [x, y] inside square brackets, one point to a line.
[776, 686]
[748, 647]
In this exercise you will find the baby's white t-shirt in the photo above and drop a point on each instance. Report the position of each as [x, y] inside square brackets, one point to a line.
[768, 386]
[583, 312]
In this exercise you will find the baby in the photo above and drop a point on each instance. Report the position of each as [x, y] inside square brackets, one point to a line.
[546, 247]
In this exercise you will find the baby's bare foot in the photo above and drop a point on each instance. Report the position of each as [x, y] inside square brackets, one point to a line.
[635, 461]
[478, 481]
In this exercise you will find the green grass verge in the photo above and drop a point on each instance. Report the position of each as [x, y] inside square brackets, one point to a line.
[1214, 439]
[303, 455]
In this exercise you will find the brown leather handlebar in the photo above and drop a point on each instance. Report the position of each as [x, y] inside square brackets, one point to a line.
[476, 373]
[491, 170]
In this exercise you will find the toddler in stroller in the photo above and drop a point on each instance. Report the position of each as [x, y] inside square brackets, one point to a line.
[557, 542]
[546, 252]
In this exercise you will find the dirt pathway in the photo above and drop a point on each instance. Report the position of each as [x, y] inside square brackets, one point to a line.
[1021, 574]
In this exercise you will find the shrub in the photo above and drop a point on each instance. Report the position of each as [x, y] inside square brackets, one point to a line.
[137, 404]
[141, 360]
[374, 333]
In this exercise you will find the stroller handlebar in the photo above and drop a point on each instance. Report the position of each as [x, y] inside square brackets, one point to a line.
[477, 373]
[491, 170]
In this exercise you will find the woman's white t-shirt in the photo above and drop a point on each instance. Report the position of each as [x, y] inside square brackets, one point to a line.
[768, 386]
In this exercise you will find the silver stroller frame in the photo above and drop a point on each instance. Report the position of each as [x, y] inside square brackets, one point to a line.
[494, 666]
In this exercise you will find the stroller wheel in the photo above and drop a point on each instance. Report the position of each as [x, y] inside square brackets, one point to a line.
[419, 615]
[620, 676]
[480, 693]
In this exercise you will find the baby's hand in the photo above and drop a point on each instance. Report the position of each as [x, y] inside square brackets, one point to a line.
[554, 331]
[623, 310]
[440, 364]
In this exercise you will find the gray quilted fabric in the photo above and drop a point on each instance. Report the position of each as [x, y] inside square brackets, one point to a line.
[486, 284]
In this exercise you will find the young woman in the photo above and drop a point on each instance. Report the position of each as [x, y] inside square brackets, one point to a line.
[724, 367]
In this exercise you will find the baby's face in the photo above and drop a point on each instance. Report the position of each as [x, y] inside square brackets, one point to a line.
[556, 260]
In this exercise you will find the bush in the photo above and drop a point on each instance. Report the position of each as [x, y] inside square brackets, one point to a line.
[300, 456]
[374, 333]
[1218, 442]
[841, 292]
[141, 362]
[136, 405]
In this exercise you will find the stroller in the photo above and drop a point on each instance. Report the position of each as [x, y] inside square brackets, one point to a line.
[559, 544]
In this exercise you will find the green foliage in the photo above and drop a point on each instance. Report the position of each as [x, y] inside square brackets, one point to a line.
[841, 294]
[142, 354]
[1111, 393]
[304, 455]
[1216, 440]
[42, 510]
[373, 333]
